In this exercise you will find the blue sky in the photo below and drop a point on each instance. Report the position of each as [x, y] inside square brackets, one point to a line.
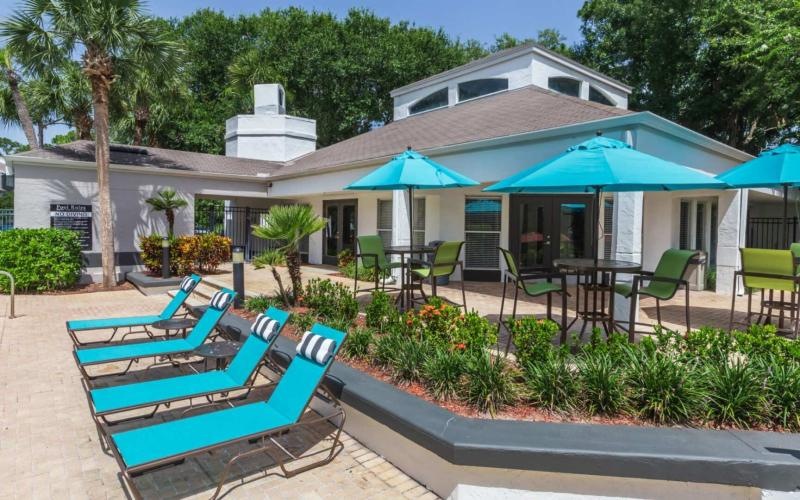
[464, 19]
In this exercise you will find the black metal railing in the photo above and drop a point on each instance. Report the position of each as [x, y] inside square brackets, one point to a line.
[237, 224]
[6, 218]
[765, 232]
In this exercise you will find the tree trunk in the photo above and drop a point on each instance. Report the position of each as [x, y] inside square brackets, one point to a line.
[141, 115]
[40, 129]
[22, 109]
[170, 220]
[97, 66]
[281, 290]
[293, 263]
[83, 126]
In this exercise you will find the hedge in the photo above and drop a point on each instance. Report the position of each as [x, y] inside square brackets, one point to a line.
[187, 254]
[40, 259]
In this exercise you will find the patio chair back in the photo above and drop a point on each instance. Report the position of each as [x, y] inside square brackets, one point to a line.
[511, 263]
[297, 386]
[180, 297]
[372, 245]
[672, 265]
[446, 257]
[218, 305]
[253, 350]
[767, 261]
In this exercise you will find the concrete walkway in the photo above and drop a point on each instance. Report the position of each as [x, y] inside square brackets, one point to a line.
[49, 446]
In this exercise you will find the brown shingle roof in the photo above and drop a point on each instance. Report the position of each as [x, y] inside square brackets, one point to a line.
[527, 109]
[159, 158]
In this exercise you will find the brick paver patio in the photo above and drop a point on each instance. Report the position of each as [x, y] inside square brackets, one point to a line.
[49, 447]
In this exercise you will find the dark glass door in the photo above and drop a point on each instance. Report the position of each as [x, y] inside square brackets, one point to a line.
[341, 231]
[544, 228]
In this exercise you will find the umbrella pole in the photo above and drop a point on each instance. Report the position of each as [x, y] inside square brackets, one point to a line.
[596, 223]
[785, 225]
[411, 217]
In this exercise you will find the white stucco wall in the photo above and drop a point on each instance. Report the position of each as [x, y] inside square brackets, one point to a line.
[38, 186]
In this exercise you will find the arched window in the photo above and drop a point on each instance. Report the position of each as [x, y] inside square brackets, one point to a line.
[565, 85]
[435, 100]
[599, 97]
[484, 86]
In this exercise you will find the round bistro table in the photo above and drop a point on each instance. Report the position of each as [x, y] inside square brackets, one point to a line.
[220, 351]
[175, 324]
[406, 251]
[592, 288]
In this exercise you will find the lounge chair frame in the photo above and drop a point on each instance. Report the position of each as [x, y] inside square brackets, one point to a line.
[266, 440]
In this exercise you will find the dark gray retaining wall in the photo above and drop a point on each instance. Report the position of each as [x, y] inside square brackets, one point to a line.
[743, 458]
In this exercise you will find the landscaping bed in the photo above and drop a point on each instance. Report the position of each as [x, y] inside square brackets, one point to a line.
[710, 378]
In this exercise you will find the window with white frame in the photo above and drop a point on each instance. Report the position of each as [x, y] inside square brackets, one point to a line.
[482, 218]
[385, 221]
[608, 227]
[698, 226]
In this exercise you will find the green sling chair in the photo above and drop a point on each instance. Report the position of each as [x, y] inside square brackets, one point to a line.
[662, 284]
[772, 270]
[444, 263]
[533, 289]
[373, 257]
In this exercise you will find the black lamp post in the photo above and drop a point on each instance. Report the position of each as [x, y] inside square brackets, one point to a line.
[165, 257]
[238, 276]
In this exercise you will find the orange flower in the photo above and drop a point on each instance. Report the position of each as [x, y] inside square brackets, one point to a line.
[461, 346]
[409, 322]
[437, 313]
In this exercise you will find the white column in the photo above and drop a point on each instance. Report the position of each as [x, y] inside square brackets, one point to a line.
[628, 215]
[732, 215]
[315, 242]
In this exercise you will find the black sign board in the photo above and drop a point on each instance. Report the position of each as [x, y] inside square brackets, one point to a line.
[74, 217]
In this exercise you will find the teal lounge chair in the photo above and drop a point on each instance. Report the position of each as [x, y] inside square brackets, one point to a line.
[88, 356]
[82, 325]
[146, 448]
[240, 374]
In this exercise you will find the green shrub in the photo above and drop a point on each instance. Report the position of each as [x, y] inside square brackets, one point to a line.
[489, 385]
[533, 339]
[381, 312]
[446, 326]
[663, 389]
[782, 392]
[331, 301]
[551, 382]
[261, 303]
[40, 259]
[443, 373]
[386, 347]
[358, 342]
[344, 258]
[709, 344]
[408, 359]
[735, 393]
[603, 383]
[760, 340]
[187, 254]
[304, 321]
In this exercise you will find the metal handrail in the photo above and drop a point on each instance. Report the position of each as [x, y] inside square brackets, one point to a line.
[11, 278]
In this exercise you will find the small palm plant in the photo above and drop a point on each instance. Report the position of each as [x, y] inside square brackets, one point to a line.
[289, 225]
[168, 202]
[273, 259]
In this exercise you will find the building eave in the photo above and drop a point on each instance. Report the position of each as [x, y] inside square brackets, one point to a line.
[85, 165]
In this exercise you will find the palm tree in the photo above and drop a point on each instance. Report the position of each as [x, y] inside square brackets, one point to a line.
[273, 259]
[45, 33]
[167, 201]
[13, 80]
[289, 225]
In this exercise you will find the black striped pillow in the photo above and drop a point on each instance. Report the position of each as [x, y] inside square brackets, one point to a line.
[220, 300]
[188, 284]
[316, 347]
[265, 327]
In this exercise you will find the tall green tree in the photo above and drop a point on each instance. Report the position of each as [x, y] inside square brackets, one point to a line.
[167, 201]
[45, 33]
[12, 81]
[726, 68]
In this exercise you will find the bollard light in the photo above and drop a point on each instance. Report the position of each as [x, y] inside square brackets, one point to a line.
[165, 257]
[238, 276]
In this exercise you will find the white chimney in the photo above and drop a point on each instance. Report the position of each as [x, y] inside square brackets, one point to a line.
[269, 133]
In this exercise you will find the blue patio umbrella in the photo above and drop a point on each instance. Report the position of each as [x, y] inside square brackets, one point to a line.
[409, 171]
[777, 167]
[603, 164]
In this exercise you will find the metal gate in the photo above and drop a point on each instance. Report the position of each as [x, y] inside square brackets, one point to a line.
[237, 224]
[6, 218]
[765, 232]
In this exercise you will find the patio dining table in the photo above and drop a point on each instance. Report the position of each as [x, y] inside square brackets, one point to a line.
[404, 252]
[590, 268]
